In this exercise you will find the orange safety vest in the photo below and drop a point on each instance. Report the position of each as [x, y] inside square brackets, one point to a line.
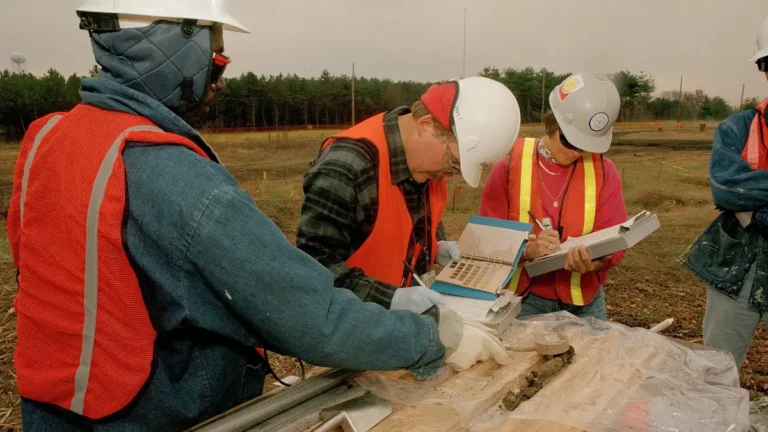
[577, 215]
[756, 150]
[382, 254]
[85, 340]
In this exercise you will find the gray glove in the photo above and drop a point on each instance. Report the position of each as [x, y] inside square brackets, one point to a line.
[447, 251]
[415, 299]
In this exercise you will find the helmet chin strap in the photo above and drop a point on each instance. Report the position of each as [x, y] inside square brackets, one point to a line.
[188, 102]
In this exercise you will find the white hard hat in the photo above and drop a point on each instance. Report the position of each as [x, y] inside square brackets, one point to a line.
[484, 116]
[141, 13]
[761, 45]
[586, 106]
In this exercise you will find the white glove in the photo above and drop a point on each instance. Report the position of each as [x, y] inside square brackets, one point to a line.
[415, 299]
[468, 342]
[447, 251]
[477, 345]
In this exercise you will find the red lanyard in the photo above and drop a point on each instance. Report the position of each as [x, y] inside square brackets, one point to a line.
[418, 247]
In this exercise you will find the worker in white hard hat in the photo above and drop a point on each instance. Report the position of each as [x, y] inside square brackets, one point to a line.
[562, 183]
[148, 279]
[730, 256]
[375, 196]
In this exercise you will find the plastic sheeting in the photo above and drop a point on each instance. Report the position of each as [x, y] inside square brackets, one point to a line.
[758, 415]
[621, 379]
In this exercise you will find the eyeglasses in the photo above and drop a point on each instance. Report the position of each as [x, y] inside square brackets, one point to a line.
[762, 64]
[220, 62]
[451, 165]
[566, 144]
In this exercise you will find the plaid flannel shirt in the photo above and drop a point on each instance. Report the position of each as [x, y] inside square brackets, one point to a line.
[341, 204]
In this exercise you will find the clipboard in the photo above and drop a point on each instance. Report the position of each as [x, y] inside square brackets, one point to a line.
[600, 243]
[490, 252]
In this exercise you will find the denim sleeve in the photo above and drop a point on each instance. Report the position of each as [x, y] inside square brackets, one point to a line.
[289, 301]
[734, 185]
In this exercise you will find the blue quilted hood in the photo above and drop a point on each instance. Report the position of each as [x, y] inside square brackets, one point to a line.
[155, 60]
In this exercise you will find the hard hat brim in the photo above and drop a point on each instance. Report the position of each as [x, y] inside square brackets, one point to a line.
[228, 22]
[231, 24]
[758, 56]
[470, 169]
[584, 142]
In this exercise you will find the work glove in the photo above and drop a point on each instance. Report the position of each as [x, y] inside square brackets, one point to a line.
[447, 251]
[468, 342]
[415, 299]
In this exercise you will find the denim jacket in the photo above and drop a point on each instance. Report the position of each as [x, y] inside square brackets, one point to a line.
[219, 279]
[723, 255]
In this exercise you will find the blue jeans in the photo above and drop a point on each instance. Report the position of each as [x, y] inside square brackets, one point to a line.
[730, 324]
[534, 305]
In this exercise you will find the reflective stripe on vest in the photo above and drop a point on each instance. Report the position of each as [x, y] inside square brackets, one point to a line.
[92, 266]
[28, 164]
[590, 208]
[526, 179]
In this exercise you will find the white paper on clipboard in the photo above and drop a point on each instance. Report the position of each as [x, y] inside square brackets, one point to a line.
[477, 310]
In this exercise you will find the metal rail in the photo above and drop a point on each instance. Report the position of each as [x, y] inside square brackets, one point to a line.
[253, 414]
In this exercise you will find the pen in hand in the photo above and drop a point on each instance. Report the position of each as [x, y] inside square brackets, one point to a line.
[421, 283]
[536, 220]
[415, 276]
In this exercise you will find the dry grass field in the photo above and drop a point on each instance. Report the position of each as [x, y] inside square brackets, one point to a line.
[665, 172]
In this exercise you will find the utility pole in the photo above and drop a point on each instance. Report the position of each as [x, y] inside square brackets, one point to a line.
[353, 94]
[680, 100]
[741, 104]
[464, 61]
[543, 91]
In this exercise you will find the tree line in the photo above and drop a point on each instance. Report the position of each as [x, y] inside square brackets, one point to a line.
[278, 101]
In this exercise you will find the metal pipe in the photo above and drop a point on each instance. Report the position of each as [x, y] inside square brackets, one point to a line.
[254, 414]
[304, 416]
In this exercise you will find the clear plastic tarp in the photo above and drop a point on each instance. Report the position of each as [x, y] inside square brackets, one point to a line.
[758, 415]
[621, 379]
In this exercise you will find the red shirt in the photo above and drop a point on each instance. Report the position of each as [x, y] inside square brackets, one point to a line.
[611, 209]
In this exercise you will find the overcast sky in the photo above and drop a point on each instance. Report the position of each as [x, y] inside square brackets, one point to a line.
[706, 41]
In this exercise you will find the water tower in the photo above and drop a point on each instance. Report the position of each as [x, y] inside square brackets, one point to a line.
[19, 63]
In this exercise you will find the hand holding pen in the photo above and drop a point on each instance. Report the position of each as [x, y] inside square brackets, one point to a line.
[545, 243]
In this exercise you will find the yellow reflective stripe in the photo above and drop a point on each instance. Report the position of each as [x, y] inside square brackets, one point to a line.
[516, 279]
[576, 297]
[590, 208]
[526, 178]
[590, 194]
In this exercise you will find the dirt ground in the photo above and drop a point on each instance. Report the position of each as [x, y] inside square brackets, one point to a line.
[665, 172]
